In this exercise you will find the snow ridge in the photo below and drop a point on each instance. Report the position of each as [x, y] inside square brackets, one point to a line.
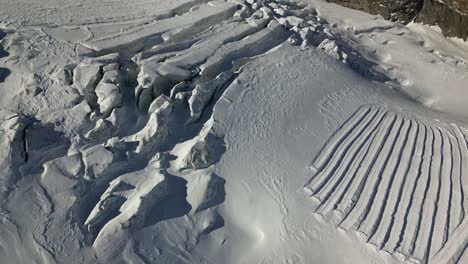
[150, 139]
[140, 138]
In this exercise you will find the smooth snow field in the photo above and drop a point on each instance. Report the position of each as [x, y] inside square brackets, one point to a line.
[229, 131]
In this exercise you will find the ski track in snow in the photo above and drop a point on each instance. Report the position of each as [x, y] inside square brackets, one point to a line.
[397, 180]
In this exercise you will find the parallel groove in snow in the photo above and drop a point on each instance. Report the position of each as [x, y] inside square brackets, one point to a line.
[399, 181]
[350, 161]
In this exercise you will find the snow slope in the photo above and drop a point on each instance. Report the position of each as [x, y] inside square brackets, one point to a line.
[197, 131]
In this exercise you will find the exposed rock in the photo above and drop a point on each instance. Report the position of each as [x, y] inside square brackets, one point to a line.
[403, 11]
[452, 18]
[450, 15]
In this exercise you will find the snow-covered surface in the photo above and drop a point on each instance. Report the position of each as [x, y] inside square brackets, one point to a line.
[196, 131]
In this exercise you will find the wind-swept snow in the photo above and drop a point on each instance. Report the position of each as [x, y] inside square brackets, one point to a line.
[197, 131]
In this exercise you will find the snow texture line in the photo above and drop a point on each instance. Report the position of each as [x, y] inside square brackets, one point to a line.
[399, 183]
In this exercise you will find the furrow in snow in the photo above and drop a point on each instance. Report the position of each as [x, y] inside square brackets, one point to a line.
[367, 200]
[348, 164]
[399, 219]
[454, 246]
[397, 188]
[443, 214]
[460, 169]
[464, 175]
[343, 190]
[411, 225]
[354, 203]
[338, 137]
[341, 152]
[423, 241]
[387, 176]
[354, 192]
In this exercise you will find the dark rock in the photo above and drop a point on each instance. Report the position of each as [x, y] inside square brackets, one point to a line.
[451, 16]
[452, 22]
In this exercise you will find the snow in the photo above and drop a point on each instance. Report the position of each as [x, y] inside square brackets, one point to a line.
[109, 97]
[60, 174]
[203, 93]
[195, 131]
[388, 44]
[261, 165]
[96, 160]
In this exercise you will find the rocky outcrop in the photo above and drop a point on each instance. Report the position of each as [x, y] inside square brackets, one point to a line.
[403, 11]
[450, 15]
